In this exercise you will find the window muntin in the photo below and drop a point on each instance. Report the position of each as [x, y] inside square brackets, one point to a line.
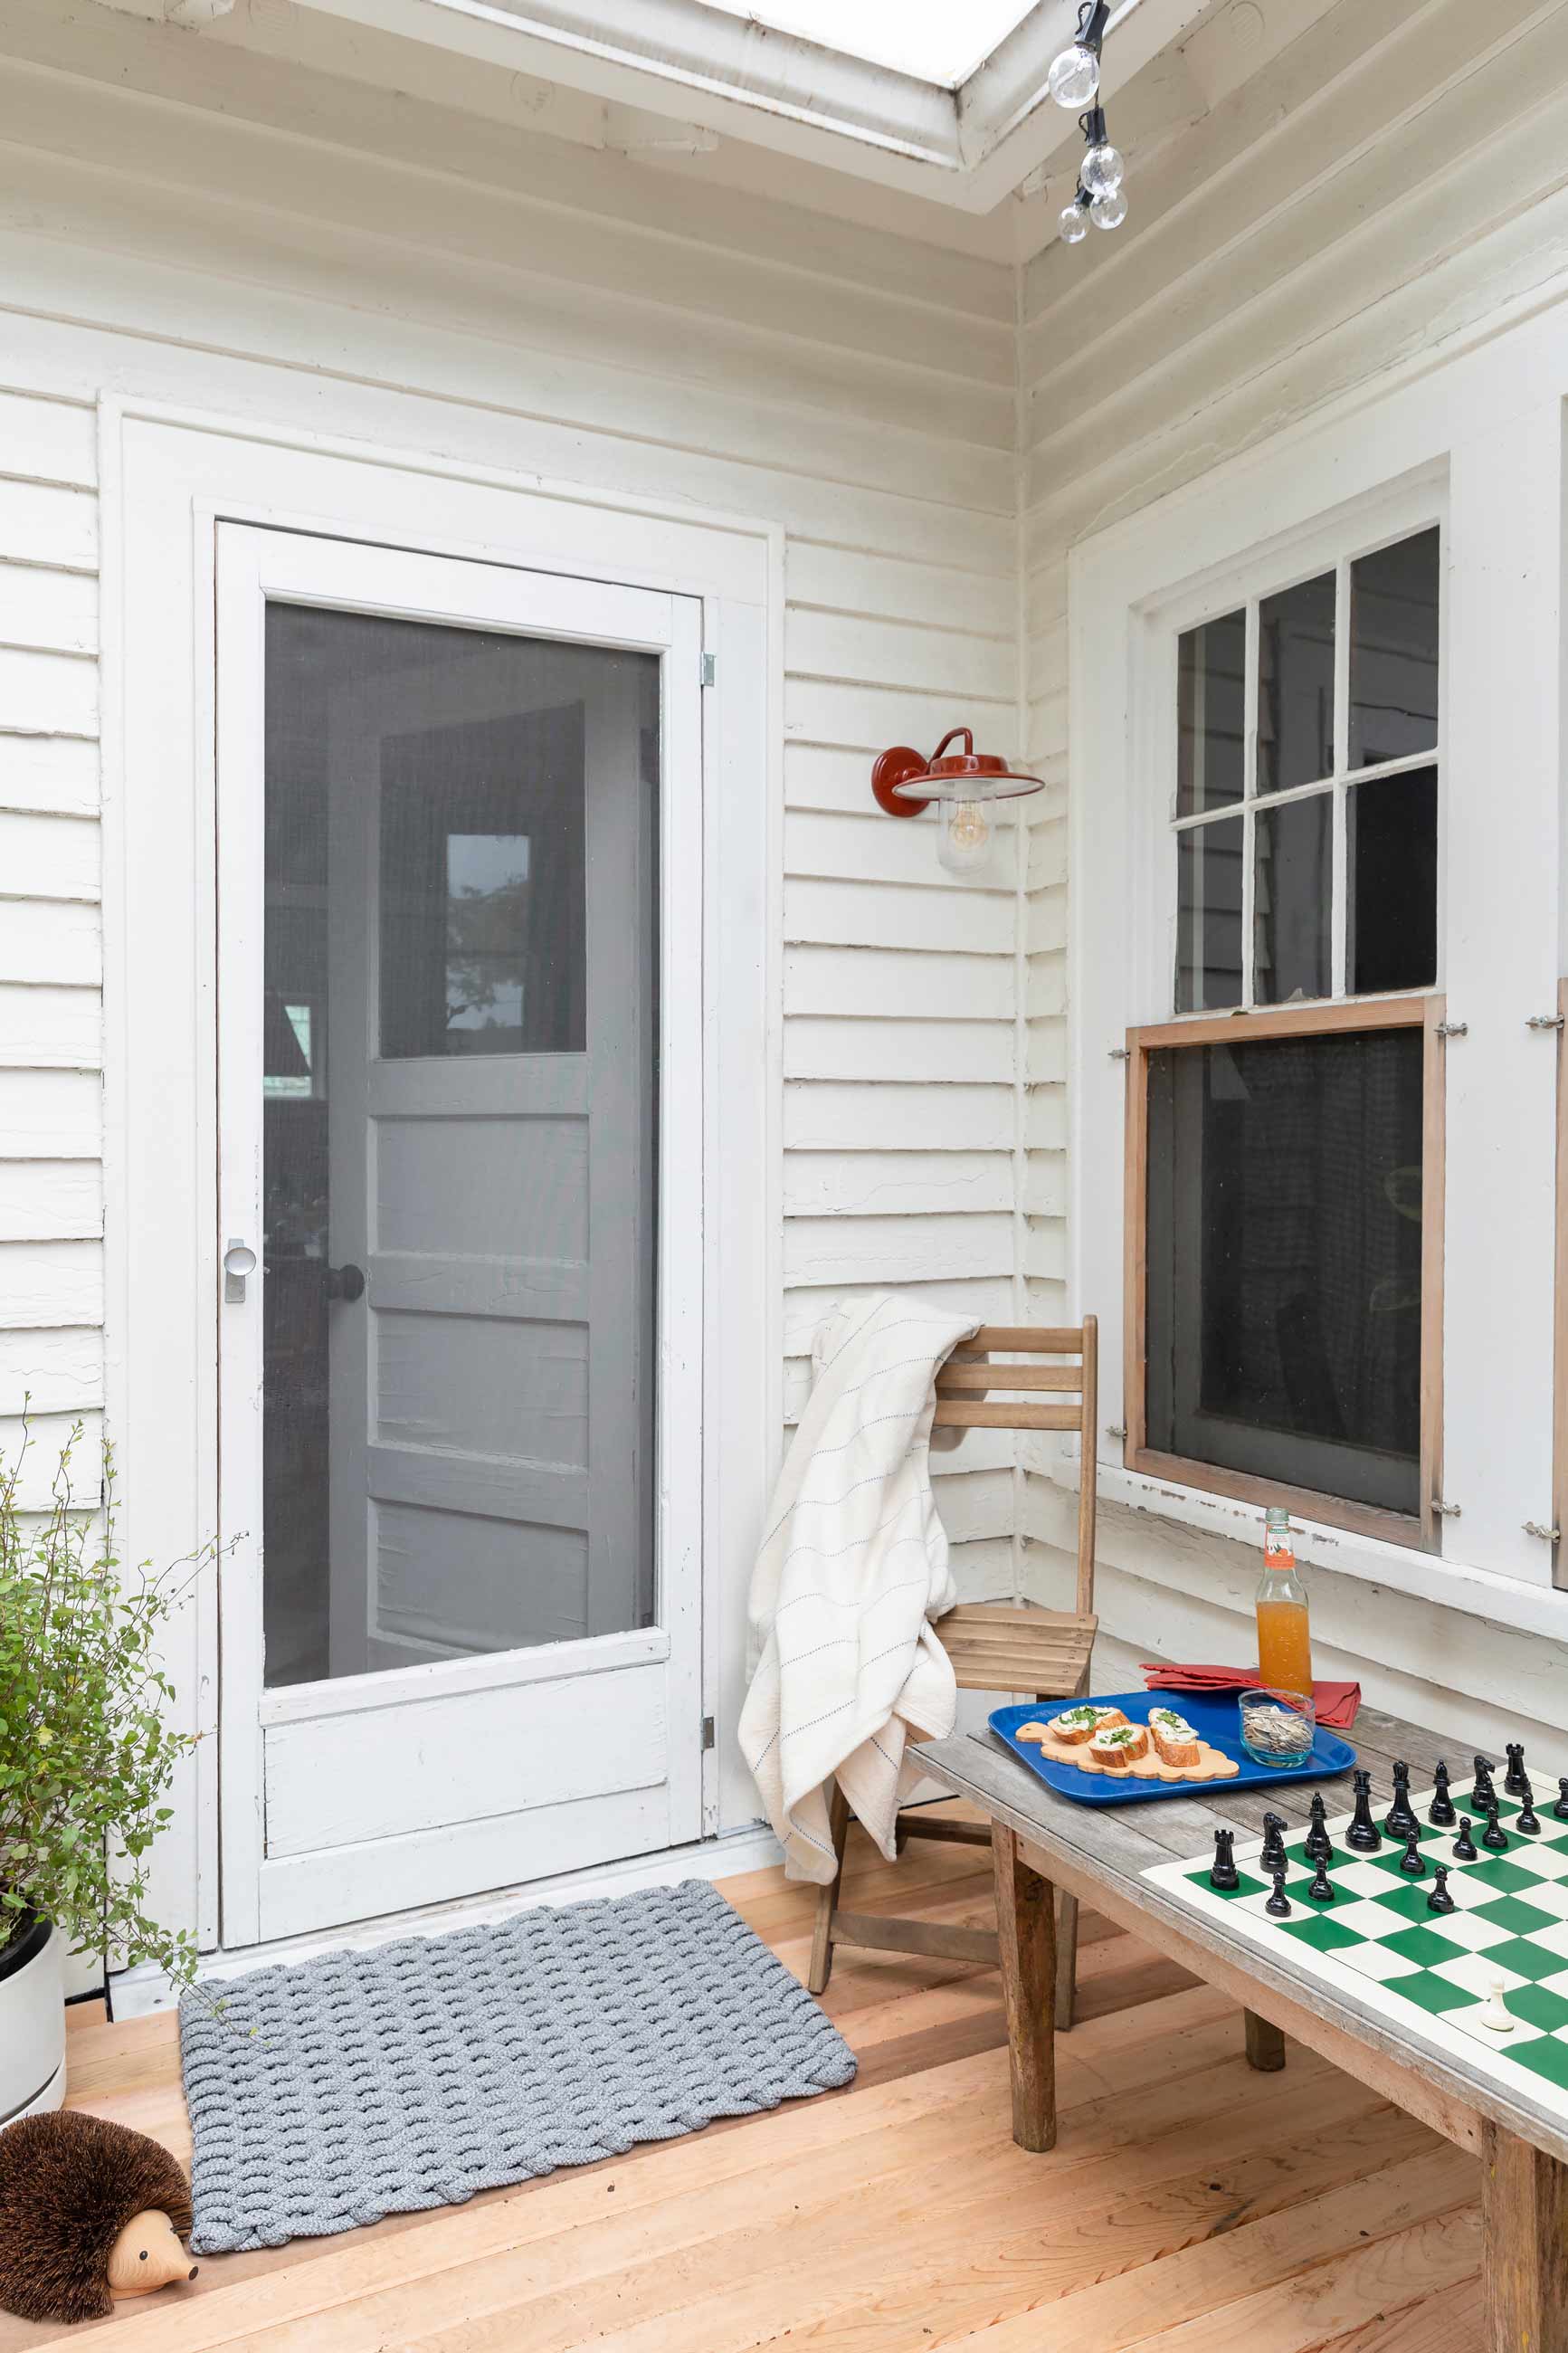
[1305, 892]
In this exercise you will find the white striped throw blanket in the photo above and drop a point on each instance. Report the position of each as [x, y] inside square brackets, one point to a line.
[852, 1570]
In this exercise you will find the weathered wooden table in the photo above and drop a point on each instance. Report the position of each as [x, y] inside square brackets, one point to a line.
[1041, 1842]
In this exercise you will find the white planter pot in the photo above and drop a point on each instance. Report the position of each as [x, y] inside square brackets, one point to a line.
[33, 2028]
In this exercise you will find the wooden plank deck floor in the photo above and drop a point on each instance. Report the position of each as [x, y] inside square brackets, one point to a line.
[1191, 2204]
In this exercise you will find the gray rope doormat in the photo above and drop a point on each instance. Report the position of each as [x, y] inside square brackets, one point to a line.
[386, 2082]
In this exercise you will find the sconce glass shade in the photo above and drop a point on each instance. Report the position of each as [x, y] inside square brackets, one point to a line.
[963, 838]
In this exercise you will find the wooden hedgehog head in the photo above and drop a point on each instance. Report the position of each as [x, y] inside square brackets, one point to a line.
[89, 2211]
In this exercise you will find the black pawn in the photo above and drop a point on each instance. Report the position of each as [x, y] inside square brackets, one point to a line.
[1401, 1815]
[1280, 1903]
[1321, 1890]
[1560, 1808]
[1224, 1874]
[1514, 1782]
[1271, 1854]
[1464, 1849]
[1440, 1900]
[1483, 1793]
[1528, 1820]
[1440, 1812]
[1318, 1847]
[1494, 1834]
[1363, 1833]
[1413, 1862]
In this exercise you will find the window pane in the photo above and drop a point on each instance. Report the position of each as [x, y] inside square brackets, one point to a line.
[1394, 651]
[482, 905]
[1391, 883]
[1208, 920]
[1284, 1261]
[1293, 888]
[1295, 686]
[1211, 664]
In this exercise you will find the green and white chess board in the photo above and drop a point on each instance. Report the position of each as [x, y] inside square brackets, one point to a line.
[1427, 1973]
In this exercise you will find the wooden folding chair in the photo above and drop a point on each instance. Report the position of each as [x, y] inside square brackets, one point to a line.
[996, 1645]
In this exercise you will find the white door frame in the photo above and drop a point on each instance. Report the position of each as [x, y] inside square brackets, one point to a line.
[168, 477]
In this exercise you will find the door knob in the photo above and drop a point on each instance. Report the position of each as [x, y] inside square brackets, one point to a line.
[345, 1283]
[239, 1260]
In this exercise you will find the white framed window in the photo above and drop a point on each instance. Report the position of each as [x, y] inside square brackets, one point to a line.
[1284, 1148]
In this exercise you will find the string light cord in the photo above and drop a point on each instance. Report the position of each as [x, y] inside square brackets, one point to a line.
[1074, 82]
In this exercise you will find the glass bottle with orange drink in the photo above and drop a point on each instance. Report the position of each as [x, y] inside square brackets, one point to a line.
[1284, 1639]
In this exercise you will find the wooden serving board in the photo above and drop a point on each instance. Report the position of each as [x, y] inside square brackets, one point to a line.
[1211, 1764]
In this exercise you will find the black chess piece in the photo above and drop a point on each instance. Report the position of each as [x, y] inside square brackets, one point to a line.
[1413, 1862]
[1440, 1814]
[1494, 1834]
[1280, 1903]
[1402, 1814]
[1321, 1890]
[1363, 1834]
[1560, 1808]
[1483, 1790]
[1465, 1847]
[1513, 1781]
[1271, 1854]
[1224, 1874]
[1318, 1847]
[1440, 1900]
[1528, 1819]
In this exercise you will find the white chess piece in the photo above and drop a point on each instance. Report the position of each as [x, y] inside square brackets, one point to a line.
[1496, 2015]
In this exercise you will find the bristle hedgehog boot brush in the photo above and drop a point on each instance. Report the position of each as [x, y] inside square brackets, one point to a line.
[90, 2213]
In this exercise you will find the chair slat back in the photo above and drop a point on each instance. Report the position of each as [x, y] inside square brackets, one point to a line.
[966, 1398]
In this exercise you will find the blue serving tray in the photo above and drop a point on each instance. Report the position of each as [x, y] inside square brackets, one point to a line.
[1213, 1714]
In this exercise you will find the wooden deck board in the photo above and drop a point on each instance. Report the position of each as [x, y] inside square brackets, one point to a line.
[1190, 2200]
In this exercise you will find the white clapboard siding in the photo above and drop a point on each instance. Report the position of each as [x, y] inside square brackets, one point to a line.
[50, 1200]
[58, 773]
[330, 256]
[53, 1371]
[38, 1446]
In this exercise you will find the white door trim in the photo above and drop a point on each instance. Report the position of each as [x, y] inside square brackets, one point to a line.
[167, 476]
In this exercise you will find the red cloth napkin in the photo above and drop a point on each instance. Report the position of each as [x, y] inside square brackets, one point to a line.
[1336, 1704]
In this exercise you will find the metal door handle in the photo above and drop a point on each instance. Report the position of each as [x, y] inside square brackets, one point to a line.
[345, 1283]
[239, 1260]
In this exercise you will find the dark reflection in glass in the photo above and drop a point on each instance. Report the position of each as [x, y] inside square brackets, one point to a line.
[1391, 883]
[1292, 899]
[1284, 1260]
[1394, 651]
[1209, 921]
[1210, 665]
[1296, 685]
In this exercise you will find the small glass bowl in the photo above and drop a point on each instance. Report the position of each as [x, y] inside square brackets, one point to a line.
[1277, 1728]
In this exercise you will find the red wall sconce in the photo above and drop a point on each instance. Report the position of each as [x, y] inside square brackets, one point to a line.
[904, 782]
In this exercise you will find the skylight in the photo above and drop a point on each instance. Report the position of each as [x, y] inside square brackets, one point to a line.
[932, 39]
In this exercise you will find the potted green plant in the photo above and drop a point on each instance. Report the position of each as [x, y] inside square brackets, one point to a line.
[88, 1753]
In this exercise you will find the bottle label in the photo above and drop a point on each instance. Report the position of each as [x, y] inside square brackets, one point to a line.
[1278, 1550]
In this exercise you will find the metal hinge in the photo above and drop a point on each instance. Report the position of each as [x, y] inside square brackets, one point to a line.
[709, 668]
[1547, 1536]
[1544, 1021]
[707, 1732]
[1453, 1029]
[1120, 1054]
[1114, 1430]
[1445, 1510]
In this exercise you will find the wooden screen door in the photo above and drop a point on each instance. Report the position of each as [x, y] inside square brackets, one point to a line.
[459, 1012]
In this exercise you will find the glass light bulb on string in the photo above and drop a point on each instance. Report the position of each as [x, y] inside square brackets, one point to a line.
[964, 837]
[1104, 170]
[1073, 225]
[1074, 77]
[1109, 212]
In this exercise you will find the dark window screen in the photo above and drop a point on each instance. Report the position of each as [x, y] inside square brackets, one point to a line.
[1283, 1305]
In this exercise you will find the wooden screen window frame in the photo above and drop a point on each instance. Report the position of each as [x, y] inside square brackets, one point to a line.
[1420, 1532]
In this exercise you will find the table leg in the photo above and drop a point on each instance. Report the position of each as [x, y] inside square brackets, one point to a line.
[1265, 2044]
[1026, 1927]
[1524, 2246]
